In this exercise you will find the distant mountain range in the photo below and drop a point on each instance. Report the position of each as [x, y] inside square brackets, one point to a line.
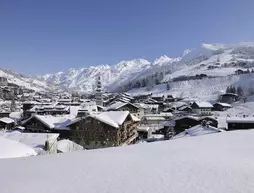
[83, 79]
[191, 62]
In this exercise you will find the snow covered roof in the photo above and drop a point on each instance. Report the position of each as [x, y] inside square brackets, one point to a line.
[147, 106]
[31, 102]
[204, 104]
[240, 120]
[198, 130]
[53, 122]
[159, 115]
[11, 149]
[209, 163]
[34, 140]
[196, 118]
[6, 120]
[16, 115]
[66, 145]
[118, 105]
[184, 107]
[230, 94]
[113, 118]
[158, 95]
[154, 118]
[224, 104]
[144, 128]
[134, 118]
[64, 100]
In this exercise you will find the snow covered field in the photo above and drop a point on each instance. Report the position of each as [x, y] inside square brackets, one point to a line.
[222, 162]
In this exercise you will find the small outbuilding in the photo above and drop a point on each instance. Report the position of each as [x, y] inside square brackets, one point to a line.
[221, 106]
[239, 123]
[6, 123]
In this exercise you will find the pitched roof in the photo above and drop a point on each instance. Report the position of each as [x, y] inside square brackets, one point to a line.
[112, 118]
[240, 120]
[148, 106]
[224, 104]
[198, 130]
[7, 120]
[134, 118]
[203, 104]
[52, 122]
[118, 105]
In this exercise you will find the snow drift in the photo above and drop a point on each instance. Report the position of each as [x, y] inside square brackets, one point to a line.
[222, 162]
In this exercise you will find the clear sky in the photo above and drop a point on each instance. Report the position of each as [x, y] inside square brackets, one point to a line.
[46, 36]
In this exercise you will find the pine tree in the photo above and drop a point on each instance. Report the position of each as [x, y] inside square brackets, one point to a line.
[240, 91]
[228, 90]
[168, 86]
[233, 89]
[13, 105]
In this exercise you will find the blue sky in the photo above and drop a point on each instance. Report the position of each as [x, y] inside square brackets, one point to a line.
[38, 37]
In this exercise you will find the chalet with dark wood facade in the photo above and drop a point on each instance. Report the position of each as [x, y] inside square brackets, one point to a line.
[221, 106]
[202, 108]
[186, 122]
[7, 123]
[48, 124]
[138, 111]
[239, 123]
[106, 129]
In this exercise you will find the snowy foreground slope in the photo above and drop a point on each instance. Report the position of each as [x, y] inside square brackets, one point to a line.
[222, 162]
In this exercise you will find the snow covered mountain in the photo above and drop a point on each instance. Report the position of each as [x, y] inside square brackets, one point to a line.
[217, 62]
[83, 79]
[28, 82]
[210, 59]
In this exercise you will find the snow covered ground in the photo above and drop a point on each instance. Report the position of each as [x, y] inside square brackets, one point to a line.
[239, 109]
[222, 162]
[206, 89]
[13, 149]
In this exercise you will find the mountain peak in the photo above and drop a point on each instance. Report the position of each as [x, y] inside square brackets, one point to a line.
[165, 60]
[215, 46]
[185, 52]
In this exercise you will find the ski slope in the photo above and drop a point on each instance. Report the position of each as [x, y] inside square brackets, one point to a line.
[206, 89]
[222, 162]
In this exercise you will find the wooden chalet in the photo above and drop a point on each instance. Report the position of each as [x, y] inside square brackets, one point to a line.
[7, 123]
[186, 122]
[156, 119]
[158, 97]
[139, 98]
[106, 129]
[202, 108]
[221, 106]
[136, 110]
[240, 123]
[48, 124]
[4, 114]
